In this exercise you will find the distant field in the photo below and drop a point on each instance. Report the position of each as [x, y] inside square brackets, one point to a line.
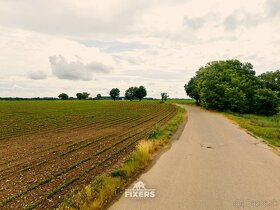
[265, 127]
[48, 147]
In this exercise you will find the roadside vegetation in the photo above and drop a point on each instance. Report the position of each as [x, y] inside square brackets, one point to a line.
[266, 127]
[182, 101]
[104, 188]
[233, 87]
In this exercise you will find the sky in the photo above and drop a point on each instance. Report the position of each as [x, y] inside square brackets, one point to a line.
[48, 47]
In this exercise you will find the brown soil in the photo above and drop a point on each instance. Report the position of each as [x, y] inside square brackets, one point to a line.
[31, 171]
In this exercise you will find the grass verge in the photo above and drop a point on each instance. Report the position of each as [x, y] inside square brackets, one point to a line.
[266, 127]
[103, 189]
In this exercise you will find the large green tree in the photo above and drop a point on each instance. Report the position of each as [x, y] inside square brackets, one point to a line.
[115, 93]
[135, 92]
[83, 95]
[141, 92]
[63, 96]
[271, 80]
[231, 85]
[98, 96]
[130, 93]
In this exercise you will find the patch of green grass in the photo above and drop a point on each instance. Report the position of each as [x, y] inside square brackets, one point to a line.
[266, 127]
[104, 188]
[181, 101]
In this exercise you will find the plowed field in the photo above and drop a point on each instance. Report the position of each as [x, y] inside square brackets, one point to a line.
[49, 147]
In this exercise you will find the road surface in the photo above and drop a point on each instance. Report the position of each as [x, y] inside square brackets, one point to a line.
[214, 165]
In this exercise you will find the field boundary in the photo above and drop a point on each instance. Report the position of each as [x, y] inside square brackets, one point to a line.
[106, 188]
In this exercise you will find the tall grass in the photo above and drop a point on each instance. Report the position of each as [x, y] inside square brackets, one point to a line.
[266, 127]
[181, 101]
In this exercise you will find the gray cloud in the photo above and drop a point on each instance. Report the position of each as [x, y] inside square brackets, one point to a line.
[37, 75]
[273, 7]
[129, 59]
[75, 70]
[241, 18]
[114, 46]
[198, 22]
[98, 67]
[64, 17]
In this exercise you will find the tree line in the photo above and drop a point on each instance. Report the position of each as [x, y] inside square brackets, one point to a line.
[233, 86]
[131, 93]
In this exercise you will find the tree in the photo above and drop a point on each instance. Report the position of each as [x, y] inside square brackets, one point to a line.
[266, 102]
[271, 80]
[140, 92]
[63, 96]
[192, 89]
[98, 96]
[83, 95]
[230, 85]
[79, 96]
[164, 96]
[115, 93]
[130, 93]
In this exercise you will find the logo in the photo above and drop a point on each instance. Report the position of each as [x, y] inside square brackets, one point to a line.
[139, 191]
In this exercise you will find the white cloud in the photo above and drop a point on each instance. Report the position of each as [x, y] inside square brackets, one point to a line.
[75, 70]
[37, 75]
[122, 43]
[241, 18]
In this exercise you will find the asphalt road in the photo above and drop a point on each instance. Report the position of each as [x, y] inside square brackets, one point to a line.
[214, 165]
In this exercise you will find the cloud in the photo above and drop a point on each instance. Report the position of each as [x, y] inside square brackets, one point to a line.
[37, 75]
[160, 41]
[273, 7]
[72, 18]
[98, 68]
[75, 70]
[198, 22]
[114, 46]
[241, 18]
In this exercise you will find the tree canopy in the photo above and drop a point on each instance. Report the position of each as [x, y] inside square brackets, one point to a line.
[83, 95]
[232, 85]
[63, 96]
[164, 96]
[98, 96]
[130, 93]
[271, 80]
[135, 92]
[115, 93]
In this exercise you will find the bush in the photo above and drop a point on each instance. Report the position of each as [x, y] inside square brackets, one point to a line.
[266, 102]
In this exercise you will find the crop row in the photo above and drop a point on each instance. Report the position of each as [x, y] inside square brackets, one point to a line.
[15, 129]
[69, 168]
[102, 126]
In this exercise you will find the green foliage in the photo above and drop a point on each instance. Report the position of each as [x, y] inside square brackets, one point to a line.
[266, 102]
[141, 92]
[130, 93]
[164, 96]
[115, 93]
[231, 85]
[135, 92]
[192, 89]
[266, 127]
[271, 80]
[83, 95]
[63, 96]
[154, 133]
[98, 96]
